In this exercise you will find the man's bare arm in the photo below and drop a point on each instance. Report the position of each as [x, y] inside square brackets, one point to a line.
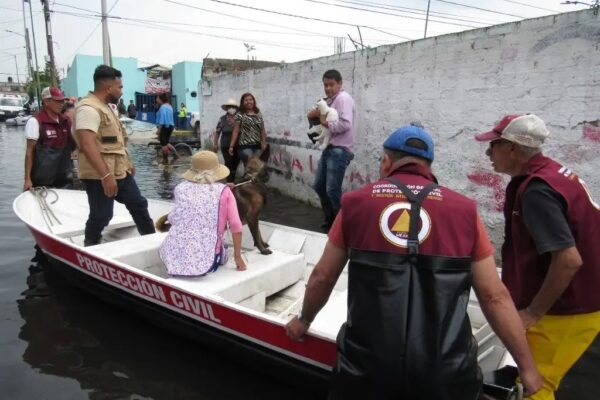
[87, 144]
[29, 155]
[500, 311]
[564, 265]
[319, 287]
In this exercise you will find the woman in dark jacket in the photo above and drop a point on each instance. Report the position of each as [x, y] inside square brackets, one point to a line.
[224, 131]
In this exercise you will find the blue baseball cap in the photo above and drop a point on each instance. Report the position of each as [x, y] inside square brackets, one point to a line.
[398, 141]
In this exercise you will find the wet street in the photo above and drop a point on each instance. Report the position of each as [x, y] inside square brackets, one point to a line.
[57, 342]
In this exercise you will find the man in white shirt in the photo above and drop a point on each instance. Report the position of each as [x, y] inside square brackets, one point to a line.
[49, 144]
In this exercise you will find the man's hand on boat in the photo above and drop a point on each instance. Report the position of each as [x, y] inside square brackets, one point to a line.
[109, 184]
[531, 379]
[296, 329]
[27, 185]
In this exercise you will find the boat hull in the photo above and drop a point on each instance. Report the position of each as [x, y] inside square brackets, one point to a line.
[241, 351]
[245, 337]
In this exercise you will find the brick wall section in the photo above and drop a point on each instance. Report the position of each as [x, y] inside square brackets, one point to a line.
[457, 85]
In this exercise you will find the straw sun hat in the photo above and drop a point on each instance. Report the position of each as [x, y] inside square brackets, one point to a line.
[229, 103]
[205, 168]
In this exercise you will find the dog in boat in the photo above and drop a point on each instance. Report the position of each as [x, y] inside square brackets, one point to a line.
[251, 197]
[317, 132]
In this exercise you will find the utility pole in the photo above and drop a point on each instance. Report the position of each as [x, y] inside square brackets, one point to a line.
[17, 67]
[106, 56]
[53, 77]
[427, 18]
[37, 67]
[27, 46]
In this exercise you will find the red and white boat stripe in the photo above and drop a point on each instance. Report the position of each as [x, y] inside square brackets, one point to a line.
[253, 327]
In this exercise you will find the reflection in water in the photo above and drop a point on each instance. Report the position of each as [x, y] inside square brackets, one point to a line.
[66, 332]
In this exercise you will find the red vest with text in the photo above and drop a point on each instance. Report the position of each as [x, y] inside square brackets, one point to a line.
[450, 218]
[52, 133]
[523, 269]
[407, 333]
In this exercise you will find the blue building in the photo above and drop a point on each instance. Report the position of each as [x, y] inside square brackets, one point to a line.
[185, 79]
[80, 76]
[137, 82]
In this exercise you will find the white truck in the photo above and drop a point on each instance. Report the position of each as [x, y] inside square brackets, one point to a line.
[11, 105]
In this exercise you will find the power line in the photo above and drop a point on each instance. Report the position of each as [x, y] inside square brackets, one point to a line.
[91, 33]
[395, 15]
[120, 20]
[295, 16]
[480, 9]
[225, 15]
[440, 14]
[12, 48]
[194, 25]
[532, 6]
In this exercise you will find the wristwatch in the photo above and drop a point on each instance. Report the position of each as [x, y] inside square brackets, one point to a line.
[303, 320]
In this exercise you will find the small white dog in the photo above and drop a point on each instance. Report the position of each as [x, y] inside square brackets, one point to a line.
[323, 133]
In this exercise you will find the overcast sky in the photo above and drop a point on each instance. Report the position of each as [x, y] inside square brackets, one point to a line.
[166, 32]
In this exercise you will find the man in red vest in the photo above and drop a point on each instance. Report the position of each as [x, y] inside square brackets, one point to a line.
[49, 144]
[419, 250]
[550, 257]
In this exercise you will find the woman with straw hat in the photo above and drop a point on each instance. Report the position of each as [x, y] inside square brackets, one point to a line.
[203, 207]
[224, 131]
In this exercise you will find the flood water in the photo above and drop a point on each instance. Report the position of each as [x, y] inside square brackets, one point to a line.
[57, 342]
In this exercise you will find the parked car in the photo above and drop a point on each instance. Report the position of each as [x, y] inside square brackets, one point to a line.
[11, 105]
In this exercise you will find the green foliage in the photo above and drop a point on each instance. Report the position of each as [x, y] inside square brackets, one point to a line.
[45, 81]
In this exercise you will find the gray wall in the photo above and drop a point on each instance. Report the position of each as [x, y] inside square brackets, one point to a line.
[457, 85]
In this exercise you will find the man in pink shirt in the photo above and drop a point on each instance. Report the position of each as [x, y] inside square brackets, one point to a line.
[338, 154]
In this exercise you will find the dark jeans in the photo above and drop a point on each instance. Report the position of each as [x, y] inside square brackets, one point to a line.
[247, 151]
[165, 134]
[101, 208]
[329, 178]
[231, 162]
[182, 122]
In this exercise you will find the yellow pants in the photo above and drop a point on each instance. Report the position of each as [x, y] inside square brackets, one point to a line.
[557, 342]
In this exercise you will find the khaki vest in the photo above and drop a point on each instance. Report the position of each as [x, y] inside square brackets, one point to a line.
[110, 139]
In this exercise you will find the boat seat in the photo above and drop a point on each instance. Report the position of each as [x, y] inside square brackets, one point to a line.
[265, 274]
[117, 222]
[331, 317]
[137, 251]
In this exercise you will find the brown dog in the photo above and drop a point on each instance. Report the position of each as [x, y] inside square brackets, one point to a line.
[251, 197]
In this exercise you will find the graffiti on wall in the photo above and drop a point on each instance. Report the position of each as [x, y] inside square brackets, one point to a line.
[293, 158]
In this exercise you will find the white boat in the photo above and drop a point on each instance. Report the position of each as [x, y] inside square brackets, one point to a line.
[139, 131]
[19, 120]
[242, 312]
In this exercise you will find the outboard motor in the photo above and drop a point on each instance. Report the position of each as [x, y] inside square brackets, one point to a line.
[500, 384]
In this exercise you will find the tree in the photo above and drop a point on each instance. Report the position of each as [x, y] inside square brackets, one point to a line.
[45, 79]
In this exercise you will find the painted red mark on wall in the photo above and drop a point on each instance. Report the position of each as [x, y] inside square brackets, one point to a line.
[356, 176]
[492, 181]
[591, 132]
[287, 163]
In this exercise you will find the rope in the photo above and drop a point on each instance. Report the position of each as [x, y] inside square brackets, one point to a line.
[41, 193]
[243, 183]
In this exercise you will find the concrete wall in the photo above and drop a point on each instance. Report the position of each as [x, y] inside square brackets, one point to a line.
[457, 85]
[79, 80]
[186, 76]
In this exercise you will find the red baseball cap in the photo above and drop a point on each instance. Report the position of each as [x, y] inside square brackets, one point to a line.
[53, 92]
[527, 130]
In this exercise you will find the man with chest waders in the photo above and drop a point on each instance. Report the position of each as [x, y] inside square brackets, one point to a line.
[49, 144]
[419, 250]
[104, 164]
